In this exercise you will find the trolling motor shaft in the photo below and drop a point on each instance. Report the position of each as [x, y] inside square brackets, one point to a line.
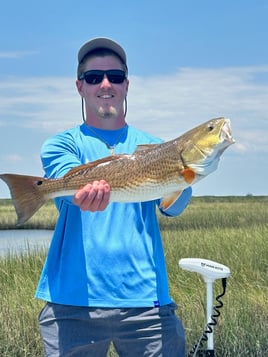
[210, 271]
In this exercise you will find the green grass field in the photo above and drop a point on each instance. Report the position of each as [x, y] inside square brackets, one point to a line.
[229, 230]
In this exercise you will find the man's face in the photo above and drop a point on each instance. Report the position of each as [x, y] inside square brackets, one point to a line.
[103, 100]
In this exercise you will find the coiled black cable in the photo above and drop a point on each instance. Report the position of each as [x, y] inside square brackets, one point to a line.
[197, 348]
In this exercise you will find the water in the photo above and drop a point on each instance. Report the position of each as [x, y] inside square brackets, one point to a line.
[17, 241]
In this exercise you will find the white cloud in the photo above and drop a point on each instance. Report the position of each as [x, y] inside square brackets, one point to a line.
[16, 54]
[14, 158]
[165, 106]
[172, 104]
[50, 104]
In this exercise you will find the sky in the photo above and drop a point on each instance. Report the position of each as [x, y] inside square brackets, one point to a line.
[189, 61]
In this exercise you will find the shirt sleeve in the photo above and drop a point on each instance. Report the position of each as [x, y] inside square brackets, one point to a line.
[59, 154]
[179, 204]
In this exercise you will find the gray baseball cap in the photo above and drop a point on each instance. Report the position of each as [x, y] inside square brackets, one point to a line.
[102, 43]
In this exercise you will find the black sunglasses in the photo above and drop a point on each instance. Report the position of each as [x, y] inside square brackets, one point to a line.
[95, 76]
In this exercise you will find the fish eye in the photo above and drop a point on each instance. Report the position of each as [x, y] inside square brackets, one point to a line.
[210, 127]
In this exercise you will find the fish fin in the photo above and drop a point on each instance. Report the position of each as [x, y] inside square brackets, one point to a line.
[145, 147]
[188, 175]
[92, 164]
[26, 197]
[168, 200]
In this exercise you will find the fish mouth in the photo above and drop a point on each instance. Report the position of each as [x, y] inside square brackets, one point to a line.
[226, 132]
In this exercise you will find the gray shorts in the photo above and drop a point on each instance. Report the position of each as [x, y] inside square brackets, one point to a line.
[88, 332]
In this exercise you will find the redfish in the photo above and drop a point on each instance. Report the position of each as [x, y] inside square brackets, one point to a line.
[152, 172]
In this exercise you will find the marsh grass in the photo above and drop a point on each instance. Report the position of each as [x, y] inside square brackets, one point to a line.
[45, 218]
[230, 230]
[19, 332]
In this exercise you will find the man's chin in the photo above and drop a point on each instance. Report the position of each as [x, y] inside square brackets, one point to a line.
[108, 113]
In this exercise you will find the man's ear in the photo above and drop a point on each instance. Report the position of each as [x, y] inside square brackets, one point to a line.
[79, 85]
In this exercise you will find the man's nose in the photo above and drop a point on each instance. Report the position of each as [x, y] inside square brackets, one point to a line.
[105, 82]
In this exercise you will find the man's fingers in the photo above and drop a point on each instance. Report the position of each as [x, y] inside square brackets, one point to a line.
[93, 197]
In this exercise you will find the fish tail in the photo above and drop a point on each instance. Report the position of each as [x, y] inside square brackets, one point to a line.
[26, 197]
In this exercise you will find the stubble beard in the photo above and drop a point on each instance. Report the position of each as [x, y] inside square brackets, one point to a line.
[108, 113]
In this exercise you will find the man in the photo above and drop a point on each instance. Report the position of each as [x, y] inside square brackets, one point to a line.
[104, 279]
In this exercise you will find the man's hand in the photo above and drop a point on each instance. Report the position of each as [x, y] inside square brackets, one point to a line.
[93, 197]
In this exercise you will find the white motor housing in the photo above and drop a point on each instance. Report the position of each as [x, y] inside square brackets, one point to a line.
[209, 269]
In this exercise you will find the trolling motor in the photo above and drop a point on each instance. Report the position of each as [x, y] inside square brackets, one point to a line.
[210, 271]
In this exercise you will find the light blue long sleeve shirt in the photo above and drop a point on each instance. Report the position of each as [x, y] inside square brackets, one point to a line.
[112, 258]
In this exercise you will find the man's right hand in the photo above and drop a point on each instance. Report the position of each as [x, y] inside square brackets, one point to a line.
[93, 197]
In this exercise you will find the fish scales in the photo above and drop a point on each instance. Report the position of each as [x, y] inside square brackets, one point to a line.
[154, 170]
